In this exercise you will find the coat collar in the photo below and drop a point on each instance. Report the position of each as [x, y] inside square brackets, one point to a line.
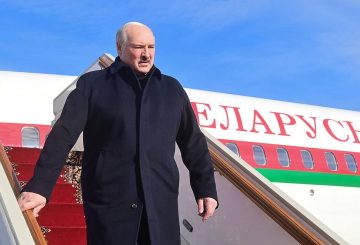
[118, 65]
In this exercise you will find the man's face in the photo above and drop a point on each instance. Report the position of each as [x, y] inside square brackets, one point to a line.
[139, 49]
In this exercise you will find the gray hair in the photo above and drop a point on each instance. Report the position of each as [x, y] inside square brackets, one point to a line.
[121, 35]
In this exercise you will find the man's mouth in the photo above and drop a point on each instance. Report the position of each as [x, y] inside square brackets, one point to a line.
[144, 62]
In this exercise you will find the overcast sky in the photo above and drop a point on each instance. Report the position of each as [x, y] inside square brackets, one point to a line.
[298, 51]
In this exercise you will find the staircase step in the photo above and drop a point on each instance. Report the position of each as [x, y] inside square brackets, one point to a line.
[63, 193]
[66, 235]
[25, 172]
[62, 215]
[24, 155]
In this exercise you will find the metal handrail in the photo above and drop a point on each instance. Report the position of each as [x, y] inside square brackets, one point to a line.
[301, 225]
[105, 61]
[30, 219]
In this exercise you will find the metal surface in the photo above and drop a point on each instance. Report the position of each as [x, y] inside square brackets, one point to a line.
[237, 221]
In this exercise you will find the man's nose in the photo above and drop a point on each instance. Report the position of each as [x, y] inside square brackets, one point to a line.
[145, 52]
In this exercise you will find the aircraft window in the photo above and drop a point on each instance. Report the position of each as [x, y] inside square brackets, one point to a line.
[283, 157]
[351, 163]
[259, 155]
[233, 147]
[30, 137]
[307, 159]
[331, 161]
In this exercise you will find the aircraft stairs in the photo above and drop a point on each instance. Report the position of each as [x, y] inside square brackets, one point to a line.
[251, 210]
[62, 219]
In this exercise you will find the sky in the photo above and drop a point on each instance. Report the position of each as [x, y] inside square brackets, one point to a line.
[297, 51]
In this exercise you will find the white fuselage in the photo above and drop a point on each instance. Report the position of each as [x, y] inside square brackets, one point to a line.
[27, 98]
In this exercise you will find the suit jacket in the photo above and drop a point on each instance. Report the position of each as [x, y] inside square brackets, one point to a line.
[129, 143]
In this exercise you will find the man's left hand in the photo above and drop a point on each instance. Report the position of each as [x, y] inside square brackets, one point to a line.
[206, 207]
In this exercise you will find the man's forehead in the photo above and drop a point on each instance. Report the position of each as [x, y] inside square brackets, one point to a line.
[133, 43]
[141, 39]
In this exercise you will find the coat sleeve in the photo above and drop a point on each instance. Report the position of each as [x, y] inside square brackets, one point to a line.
[195, 153]
[61, 139]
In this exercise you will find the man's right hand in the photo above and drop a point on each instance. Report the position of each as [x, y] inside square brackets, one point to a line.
[30, 200]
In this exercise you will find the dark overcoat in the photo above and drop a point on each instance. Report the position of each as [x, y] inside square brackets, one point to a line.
[129, 143]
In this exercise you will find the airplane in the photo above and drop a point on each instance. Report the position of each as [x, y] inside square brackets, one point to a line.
[309, 152]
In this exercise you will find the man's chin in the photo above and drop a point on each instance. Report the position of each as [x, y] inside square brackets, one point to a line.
[143, 70]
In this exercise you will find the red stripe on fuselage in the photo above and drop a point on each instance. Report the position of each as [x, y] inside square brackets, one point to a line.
[10, 133]
[296, 162]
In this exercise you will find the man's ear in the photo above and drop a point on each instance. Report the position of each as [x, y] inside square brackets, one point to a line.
[118, 48]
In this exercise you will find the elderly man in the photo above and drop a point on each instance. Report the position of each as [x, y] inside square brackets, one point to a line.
[131, 116]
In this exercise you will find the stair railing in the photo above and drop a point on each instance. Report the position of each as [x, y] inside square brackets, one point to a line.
[30, 219]
[300, 224]
[105, 61]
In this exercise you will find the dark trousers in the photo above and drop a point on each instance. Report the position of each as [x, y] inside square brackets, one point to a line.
[143, 236]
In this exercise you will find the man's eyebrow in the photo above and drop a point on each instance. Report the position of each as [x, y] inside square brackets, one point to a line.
[142, 44]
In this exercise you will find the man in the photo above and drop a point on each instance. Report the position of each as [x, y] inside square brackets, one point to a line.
[131, 116]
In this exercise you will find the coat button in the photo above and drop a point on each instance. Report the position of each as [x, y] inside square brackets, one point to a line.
[134, 206]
